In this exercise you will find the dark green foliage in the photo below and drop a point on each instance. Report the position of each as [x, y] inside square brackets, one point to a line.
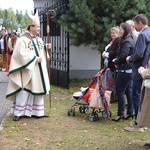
[88, 22]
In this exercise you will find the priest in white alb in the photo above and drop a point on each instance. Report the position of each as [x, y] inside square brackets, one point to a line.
[28, 76]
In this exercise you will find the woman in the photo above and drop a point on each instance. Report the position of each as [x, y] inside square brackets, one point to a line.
[124, 73]
[3, 49]
[110, 50]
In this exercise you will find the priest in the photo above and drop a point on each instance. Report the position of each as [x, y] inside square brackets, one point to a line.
[28, 75]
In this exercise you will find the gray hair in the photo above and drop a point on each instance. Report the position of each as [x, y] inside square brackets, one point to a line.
[130, 22]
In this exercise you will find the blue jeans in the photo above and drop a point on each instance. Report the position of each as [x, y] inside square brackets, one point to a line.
[136, 93]
[124, 87]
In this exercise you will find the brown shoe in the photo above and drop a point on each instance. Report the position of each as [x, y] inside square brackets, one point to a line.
[134, 129]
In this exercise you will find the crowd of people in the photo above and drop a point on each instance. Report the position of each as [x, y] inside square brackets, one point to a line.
[7, 42]
[132, 66]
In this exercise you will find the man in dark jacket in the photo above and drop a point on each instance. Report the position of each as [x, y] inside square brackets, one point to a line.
[139, 58]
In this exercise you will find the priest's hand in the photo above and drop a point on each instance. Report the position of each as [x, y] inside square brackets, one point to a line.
[38, 59]
[48, 45]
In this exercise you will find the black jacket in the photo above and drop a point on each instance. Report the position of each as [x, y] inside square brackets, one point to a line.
[125, 49]
[112, 54]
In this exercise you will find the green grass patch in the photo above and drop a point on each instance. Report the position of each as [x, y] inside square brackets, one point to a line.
[63, 132]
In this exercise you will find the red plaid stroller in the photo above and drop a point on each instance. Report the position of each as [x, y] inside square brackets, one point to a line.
[95, 96]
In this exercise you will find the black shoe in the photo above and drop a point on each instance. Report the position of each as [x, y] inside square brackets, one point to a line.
[128, 117]
[16, 118]
[147, 144]
[118, 118]
[45, 116]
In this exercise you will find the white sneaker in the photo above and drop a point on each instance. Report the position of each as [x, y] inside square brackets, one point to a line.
[134, 129]
[133, 124]
[145, 128]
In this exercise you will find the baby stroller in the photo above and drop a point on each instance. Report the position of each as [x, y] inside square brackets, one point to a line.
[95, 96]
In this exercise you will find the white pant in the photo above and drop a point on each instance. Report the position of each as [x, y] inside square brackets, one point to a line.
[26, 104]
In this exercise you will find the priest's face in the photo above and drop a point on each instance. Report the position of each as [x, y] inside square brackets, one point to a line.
[35, 29]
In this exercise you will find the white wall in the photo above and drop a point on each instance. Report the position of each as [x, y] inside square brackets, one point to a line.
[84, 62]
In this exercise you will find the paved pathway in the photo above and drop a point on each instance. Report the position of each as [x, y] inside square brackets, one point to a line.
[4, 104]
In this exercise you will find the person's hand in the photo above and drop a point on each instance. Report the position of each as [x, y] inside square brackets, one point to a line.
[116, 66]
[140, 70]
[38, 59]
[48, 45]
[99, 73]
[114, 60]
[103, 55]
[127, 59]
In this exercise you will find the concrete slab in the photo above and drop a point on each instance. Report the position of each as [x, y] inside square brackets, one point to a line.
[5, 105]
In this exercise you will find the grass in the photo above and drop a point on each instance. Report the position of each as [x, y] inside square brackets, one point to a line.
[63, 132]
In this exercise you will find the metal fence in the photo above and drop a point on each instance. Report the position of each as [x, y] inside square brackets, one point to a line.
[59, 54]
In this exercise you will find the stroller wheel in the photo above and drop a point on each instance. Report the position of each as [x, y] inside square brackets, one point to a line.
[86, 109]
[69, 110]
[104, 115]
[73, 111]
[93, 117]
[82, 109]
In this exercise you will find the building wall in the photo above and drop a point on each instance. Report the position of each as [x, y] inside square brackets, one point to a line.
[84, 62]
